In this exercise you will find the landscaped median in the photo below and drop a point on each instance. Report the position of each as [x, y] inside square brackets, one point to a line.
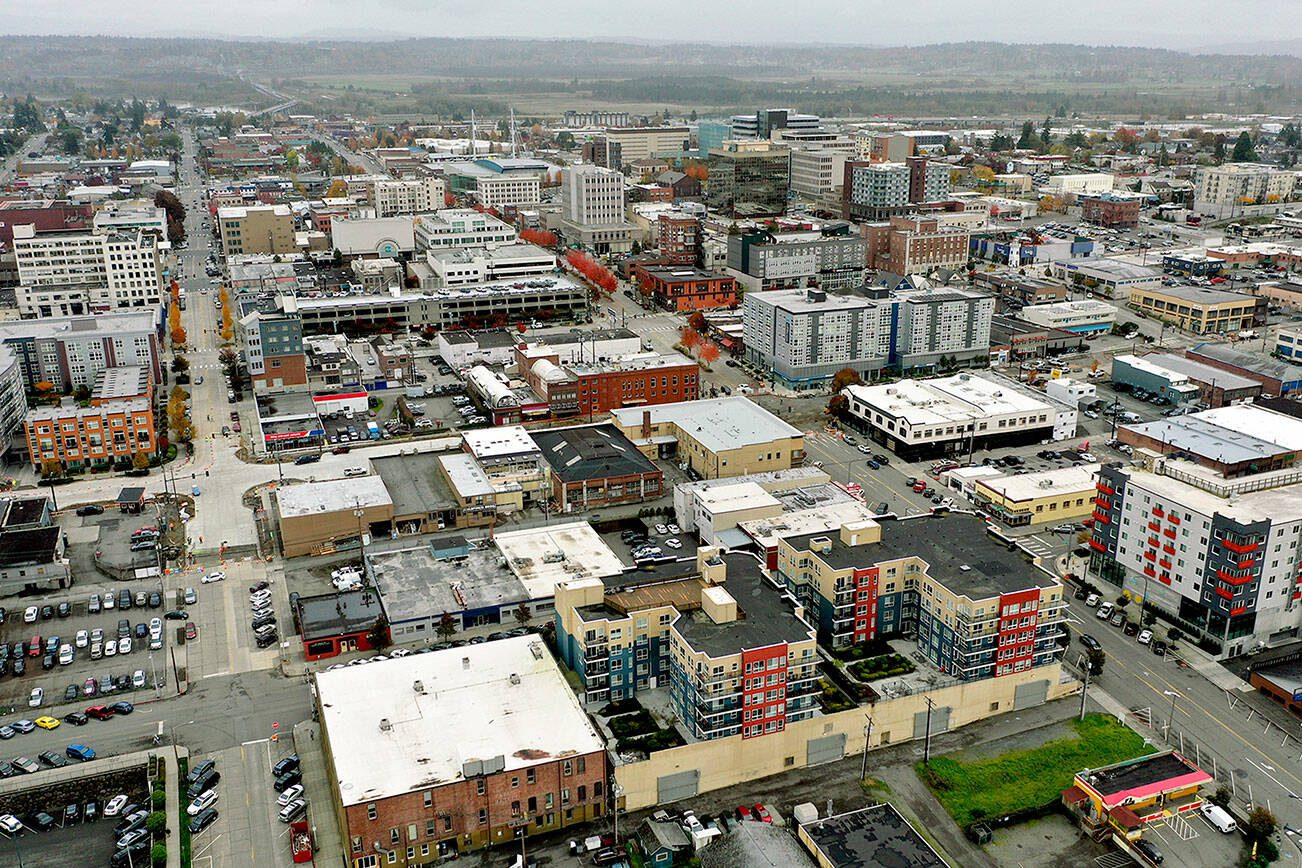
[1028, 781]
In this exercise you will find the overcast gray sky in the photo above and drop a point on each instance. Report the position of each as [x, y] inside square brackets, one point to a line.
[1180, 24]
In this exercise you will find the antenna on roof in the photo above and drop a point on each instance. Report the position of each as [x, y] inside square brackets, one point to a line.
[472, 134]
[512, 131]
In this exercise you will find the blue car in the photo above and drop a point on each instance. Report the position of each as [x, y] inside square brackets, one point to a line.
[80, 752]
[194, 489]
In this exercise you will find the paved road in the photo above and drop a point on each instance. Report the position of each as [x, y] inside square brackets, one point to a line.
[1232, 731]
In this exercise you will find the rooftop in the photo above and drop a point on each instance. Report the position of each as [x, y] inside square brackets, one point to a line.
[959, 552]
[718, 424]
[467, 477]
[239, 212]
[765, 614]
[1200, 372]
[1222, 434]
[804, 300]
[591, 452]
[336, 614]
[1136, 779]
[1045, 483]
[1115, 269]
[959, 398]
[488, 443]
[34, 545]
[332, 495]
[1203, 295]
[541, 557]
[432, 719]
[413, 483]
[124, 381]
[818, 519]
[19, 511]
[874, 836]
[72, 327]
[49, 412]
[1251, 362]
[418, 583]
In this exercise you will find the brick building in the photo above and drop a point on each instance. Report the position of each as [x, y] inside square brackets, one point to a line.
[588, 388]
[46, 215]
[680, 289]
[678, 238]
[80, 437]
[1108, 209]
[915, 245]
[596, 465]
[437, 754]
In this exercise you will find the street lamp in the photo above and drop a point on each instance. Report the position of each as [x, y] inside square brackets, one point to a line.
[1171, 718]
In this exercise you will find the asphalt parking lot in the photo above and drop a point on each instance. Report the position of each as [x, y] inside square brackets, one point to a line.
[89, 843]
[247, 830]
[648, 526]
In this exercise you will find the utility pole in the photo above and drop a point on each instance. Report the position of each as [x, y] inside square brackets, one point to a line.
[867, 739]
[926, 744]
[1084, 689]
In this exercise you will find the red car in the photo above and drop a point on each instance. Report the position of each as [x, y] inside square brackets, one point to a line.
[744, 813]
[762, 814]
[190, 630]
[99, 712]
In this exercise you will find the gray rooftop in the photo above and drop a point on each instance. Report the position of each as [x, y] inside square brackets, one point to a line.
[948, 542]
[124, 381]
[871, 837]
[1200, 372]
[1252, 362]
[755, 844]
[414, 483]
[765, 614]
[415, 583]
[1205, 295]
[335, 614]
[101, 325]
[591, 452]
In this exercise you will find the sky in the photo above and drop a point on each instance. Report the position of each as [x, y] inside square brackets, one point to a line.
[1177, 24]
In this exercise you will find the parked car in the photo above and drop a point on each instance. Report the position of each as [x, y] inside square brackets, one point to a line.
[1149, 850]
[90, 509]
[203, 802]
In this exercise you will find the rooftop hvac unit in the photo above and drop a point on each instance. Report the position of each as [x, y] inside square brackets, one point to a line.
[418, 686]
[385, 726]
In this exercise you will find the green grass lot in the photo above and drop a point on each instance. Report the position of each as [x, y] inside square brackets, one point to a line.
[1016, 781]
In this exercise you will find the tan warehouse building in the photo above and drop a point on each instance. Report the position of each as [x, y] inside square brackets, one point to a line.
[1201, 310]
[322, 516]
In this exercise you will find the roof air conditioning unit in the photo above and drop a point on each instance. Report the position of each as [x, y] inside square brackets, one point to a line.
[419, 687]
[385, 726]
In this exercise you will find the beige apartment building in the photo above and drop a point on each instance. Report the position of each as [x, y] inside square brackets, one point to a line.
[257, 229]
[1236, 183]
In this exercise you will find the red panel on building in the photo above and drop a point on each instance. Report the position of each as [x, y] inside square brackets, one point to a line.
[764, 690]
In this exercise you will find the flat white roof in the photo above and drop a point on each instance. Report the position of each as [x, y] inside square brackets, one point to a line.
[465, 474]
[959, 398]
[1046, 483]
[542, 557]
[719, 424]
[743, 495]
[1279, 428]
[767, 531]
[1275, 505]
[504, 704]
[498, 442]
[332, 495]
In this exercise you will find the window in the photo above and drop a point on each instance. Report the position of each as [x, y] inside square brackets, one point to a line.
[481, 786]
[531, 776]
[371, 812]
[395, 835]
[430, 830]
[429, 798]
[483, 816]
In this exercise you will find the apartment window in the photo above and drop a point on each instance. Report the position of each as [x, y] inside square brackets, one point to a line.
[481, 786]
[430, 829]
[371, 812]
[531, 776]
[395, 835]
[429, 798]
[483, 816]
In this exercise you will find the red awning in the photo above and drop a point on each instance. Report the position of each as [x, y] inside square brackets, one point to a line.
[1125, 818]
[1073, 795]
[727, 342]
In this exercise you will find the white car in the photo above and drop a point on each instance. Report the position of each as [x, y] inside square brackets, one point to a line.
[82, 639]
[115, 805]
[37, 697]
[662, 529]
[65, 654]
[124, 645]
[290, 794]
[259, 598]
[354, 471]
[138, 679]
[673, 543]
[205, 800]
[29, 615]
[214, 576]
[108, 602]
[1144, 637]
[155, 627]
[111, 648]
[864, 448]
[1092, 600]
[1088, 457]
[11, 824]
[673, 529]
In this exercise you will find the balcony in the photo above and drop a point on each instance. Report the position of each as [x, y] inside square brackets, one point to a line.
[1240, 548]
[594, 652]
[1105, 489]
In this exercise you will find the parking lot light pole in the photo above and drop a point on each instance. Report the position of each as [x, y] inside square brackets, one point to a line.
[1171, 718]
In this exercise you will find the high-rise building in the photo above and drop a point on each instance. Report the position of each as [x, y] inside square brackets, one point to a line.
[875, 191]
[70, 274]
[420, 196]
[765, 122]
[748, 178]
[1243, 183]
[710, 135]
[818, 167]
[623, 145]
[68, 352]
[592, 208]
[829, 258]
[678, 238]
[804, 336]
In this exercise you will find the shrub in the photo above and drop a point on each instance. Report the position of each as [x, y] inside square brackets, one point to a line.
[159, 799]
[156, 822]
[619, 706]
[628, 725]
[158, 854]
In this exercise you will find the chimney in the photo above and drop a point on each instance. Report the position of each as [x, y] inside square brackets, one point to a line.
[646, 424]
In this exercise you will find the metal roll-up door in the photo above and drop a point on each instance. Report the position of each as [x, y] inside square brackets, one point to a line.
[829, 748]
[678, 786]
[939, 722]
[1030, 695]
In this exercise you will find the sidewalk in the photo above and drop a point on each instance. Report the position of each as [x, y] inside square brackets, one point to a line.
[1204, 665]
[325, 825]
[175, 787]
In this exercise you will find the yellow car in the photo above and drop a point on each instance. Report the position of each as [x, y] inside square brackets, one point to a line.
[47, 722]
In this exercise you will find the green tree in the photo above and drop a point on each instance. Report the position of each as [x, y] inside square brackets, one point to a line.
[156, 822]
[1027, 139]
[1096, 657]
[1001, 142]
[1046, 132]
[158, 854]
[1218, 152]
[523, 614]
[1220, 798]
[1244, 152]
[379, 633]
[1076, 139]
[70, 140]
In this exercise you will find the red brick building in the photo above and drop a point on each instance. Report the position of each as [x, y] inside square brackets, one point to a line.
[45, 215]
[1108, 209]
[914, 245]
[590, 389]
[685, 288]
[100, 436]
[443, 753]
[594, 466]
[678, 237]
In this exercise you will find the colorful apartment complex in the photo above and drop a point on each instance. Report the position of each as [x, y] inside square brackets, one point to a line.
[730, 646]
[79, 437]
[979, 607]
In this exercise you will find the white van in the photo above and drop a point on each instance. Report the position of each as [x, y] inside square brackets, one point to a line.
[1218, 817]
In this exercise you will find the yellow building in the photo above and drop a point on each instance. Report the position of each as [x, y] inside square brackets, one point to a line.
[1200, 310]
[257, 229]
[714, 438]
[1059, 495]
[1126, 796]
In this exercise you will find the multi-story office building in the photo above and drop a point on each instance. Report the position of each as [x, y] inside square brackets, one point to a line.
[711, 135]
[876, 191]
[1214, 555]
[592, 209]
[979, 605]
[257, 229]
[818, 168]
[913, 244]
[420, 196]
[684, 288]
[596, 387]
[68, 352]
[272, 344]
[745, 663]
[70, 274]
[96, 436]
[804, 336]
[456, 750]
[1112, 210]
[623, 145]
[900, 145]
[461, 227]
[748, 178]
[830, 259]
[765, 122]
[128, 217]
[1242, 183]
[957, 414]
[1201, 310]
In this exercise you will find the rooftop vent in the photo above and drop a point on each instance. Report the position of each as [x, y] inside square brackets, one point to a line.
[419, 686]
[465, 662]
[515, 679]
[385, 726]
[964, 568]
